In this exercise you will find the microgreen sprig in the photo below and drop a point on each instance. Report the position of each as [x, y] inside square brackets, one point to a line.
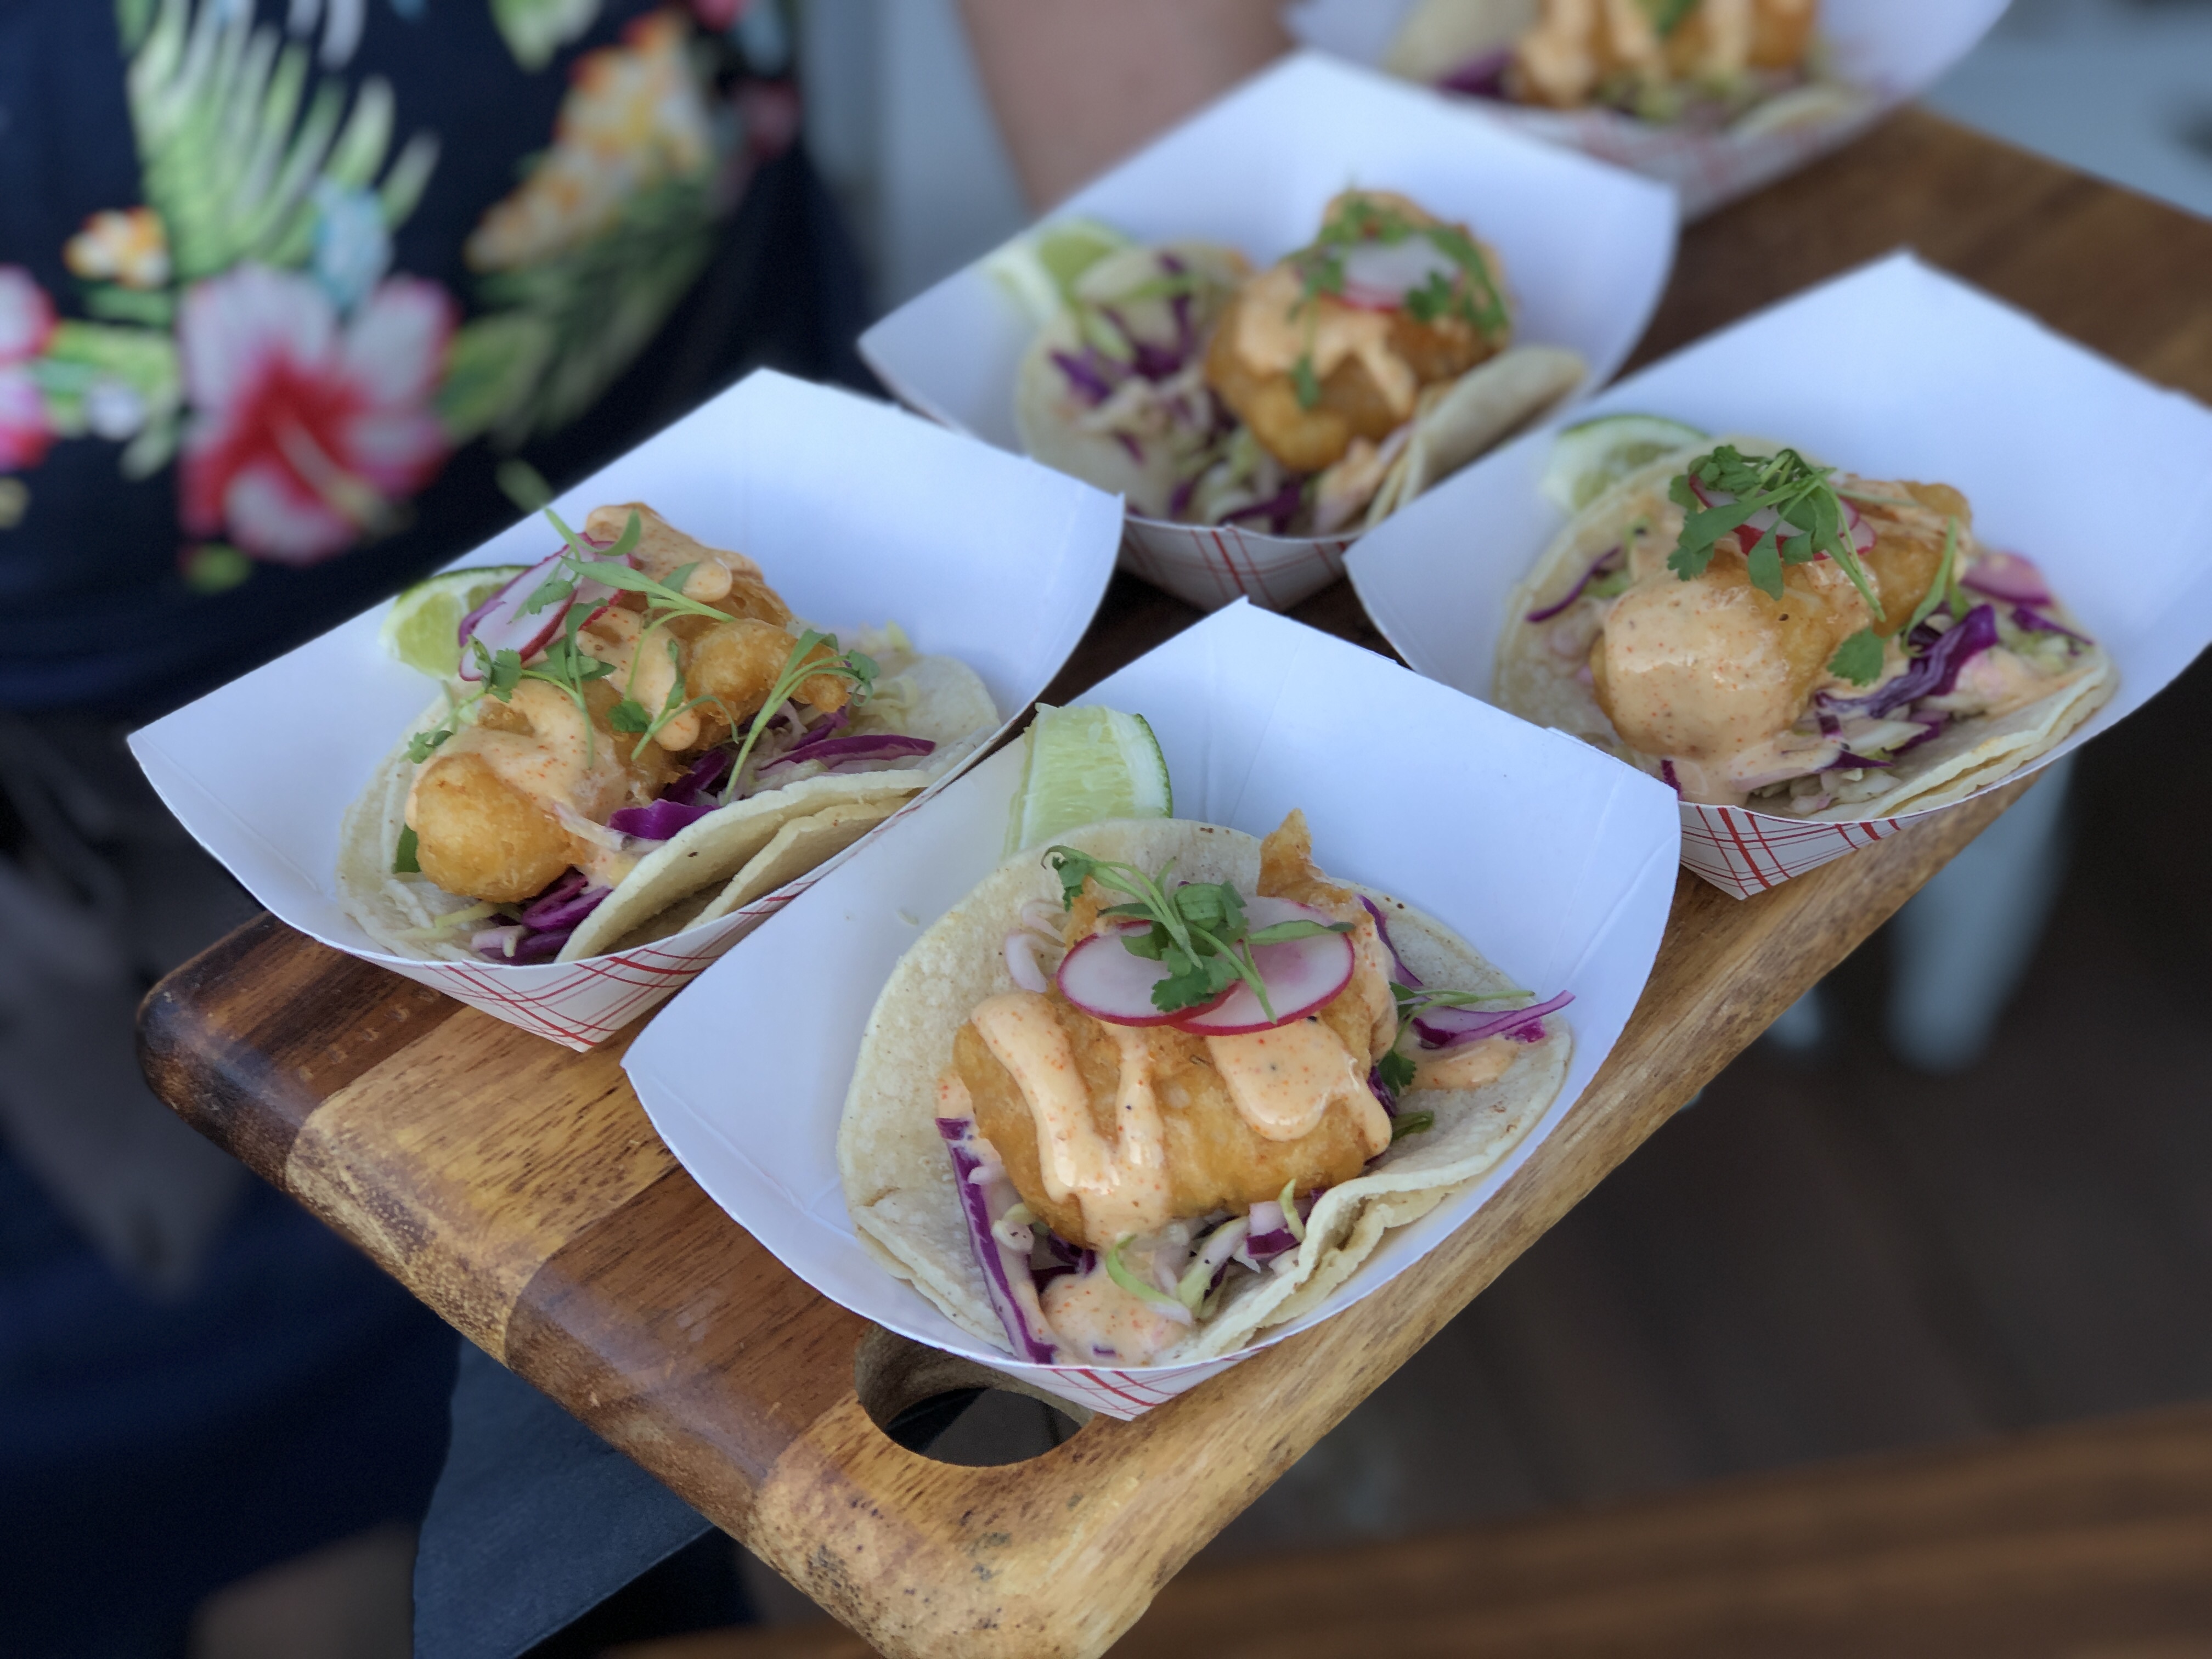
[1803, 500]
[667, 598]
[1199, 930]
[1395, 1068]
[1477, 300]
[857, 667]
[1943, 588]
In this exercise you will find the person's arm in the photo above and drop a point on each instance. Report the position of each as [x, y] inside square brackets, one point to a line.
[1077, 84]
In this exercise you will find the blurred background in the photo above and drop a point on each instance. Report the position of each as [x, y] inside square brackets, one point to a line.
[1858, 1239]
[896, 117]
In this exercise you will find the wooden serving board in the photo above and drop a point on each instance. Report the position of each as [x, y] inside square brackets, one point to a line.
[518, 1189]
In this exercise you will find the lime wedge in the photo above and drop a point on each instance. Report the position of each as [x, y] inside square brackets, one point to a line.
[1591, 457]
[422, 628]
[1041, 268]
[1079, 765]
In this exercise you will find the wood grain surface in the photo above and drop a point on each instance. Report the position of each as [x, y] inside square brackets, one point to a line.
[2088, 1540]
[518, 1189]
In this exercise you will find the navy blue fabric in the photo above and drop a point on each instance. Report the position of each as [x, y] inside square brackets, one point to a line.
[93, 612]
[536, 1521]
[152, 1452]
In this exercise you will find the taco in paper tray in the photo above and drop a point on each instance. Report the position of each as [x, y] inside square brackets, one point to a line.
[1163, 1085]
[1704, 65]
[1310, 398]
[1759, 630]
[638, 737]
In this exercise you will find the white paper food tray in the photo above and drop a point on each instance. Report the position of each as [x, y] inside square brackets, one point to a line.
[1586, 249]
[1885, 50]
[1893, 371]
[858, 514]
[1554, 862]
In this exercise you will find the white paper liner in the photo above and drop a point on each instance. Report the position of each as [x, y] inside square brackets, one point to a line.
[859, 513]
[1554, 862]
[1586, 248]
[1885, 52]
[1893, 371]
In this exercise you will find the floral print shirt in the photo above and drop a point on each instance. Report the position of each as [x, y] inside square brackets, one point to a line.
[284, 282]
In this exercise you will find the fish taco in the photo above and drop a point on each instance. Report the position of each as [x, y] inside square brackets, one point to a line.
[1310, 398]
[637, 736]
[1164, 1086]
[1759, 630]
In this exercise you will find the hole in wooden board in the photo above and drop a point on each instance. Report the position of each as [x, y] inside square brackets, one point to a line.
[955, 1411]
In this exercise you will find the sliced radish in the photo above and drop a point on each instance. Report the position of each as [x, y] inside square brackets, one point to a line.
[1112, 983]
[1378, 276]
[1759, 523]
[504, 625]
[1301, 976]
[2004, 575]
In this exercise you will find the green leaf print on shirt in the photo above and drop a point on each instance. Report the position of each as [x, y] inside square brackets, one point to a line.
[233, 139]
[535, 29]
[580, 264]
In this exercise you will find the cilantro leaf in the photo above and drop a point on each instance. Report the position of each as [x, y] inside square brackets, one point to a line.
[1396, 1071]
[1213, 905]
[1764, 563]
[420, 745]
[1431, 299]
[1858, 659]
[629, 716]
[1152, 943]
[1801, 498]
[404, 861]
[1074, 867]
[502, 671]
[552, 590]
[1410, 1123]
[1202, 956]
[1306, 383]
[1192, 979]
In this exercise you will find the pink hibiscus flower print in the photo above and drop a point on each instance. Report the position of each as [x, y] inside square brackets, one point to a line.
[308, 430]
[27, 323]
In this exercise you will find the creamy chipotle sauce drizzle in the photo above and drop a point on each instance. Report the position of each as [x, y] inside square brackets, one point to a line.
[1121, 1187]
[1277, 325]
[1283, 1080]
[1471, 1066]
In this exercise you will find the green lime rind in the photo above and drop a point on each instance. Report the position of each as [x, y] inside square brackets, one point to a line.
[1081, 765]
[422, 628]
[1591, 456]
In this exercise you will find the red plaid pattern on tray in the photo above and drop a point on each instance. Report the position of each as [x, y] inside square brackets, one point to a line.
[1747, 852]
[1124, 1394]
[582, 1004]
[1708, 170]
[1213, 565]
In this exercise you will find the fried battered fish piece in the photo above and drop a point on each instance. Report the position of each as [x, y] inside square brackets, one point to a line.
[1215, 1160]
[479, 808]
[1701, 670]
[1371, 365]
[1720, 40]
[739, 662]
[479, 836]
[1578, 48]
